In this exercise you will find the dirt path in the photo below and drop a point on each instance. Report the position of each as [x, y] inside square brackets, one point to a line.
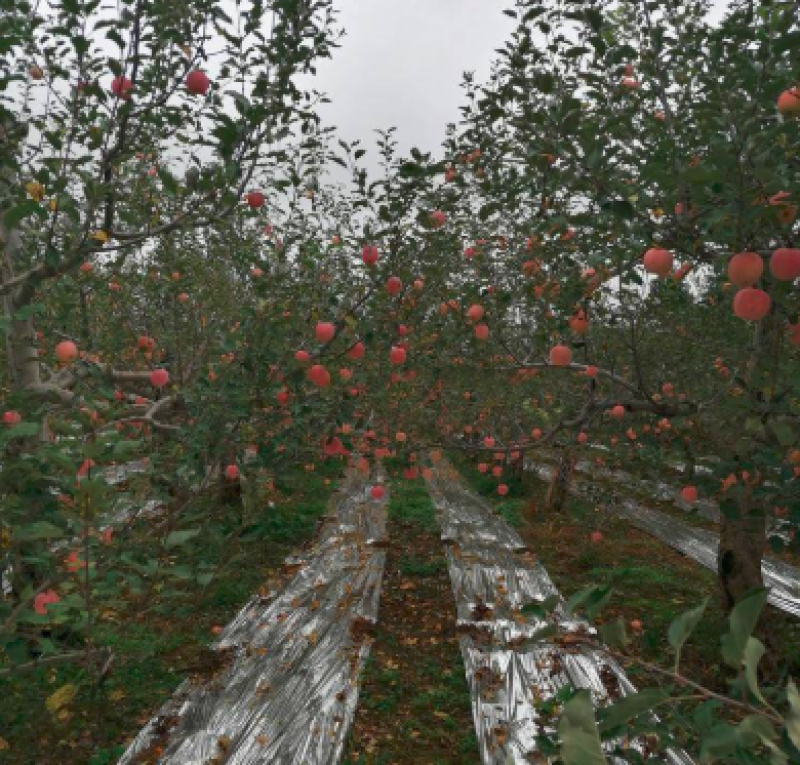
[493, 575]
[415, 704]
[286, 685]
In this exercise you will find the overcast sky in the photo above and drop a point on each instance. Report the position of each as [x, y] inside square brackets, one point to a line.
[401, 65]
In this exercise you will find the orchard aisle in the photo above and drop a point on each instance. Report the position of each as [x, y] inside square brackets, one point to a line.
[698, 544]
[493, 576]
[414, 705]
[288, 688]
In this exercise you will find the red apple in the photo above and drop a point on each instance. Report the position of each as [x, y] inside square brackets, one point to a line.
[560, 356]
[66, 351]
[784, 264]
[745, 269]
[658, 261]
[369, 254]
[751, 304]
[255, 199]
[197, 83]
[121, 87]
[325, 331]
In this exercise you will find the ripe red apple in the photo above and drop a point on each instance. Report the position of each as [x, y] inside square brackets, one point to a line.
[255, 199]
[582, 437]
[488, 442]
[689, 494]
[197, 83]
[502, 490]
[302, 356]
[282, 397]
[183, 297]
[369, 254]
[320, 376]
[482, 331]
[475, 312]
[325, 331]
[11, 418]
[578, 322]
[232, 472]
[256, 272]
[560, 356]
[66, 351]
[751, 304]
[618, 412]
[397, 355]
[784, 264]
[591, 371]
[536, 433]
[745, 269]
[658, 261]
[789, 102]
[483, 467]
[159, 377]
[596, 537]
[377, 492]
[357, 351]
[438, 219]
[394, 285]
[145, 343]
[121, 87]
[44, 599]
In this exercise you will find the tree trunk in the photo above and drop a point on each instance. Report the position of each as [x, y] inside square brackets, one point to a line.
[741, 548]
[559, 487]
[23, 355]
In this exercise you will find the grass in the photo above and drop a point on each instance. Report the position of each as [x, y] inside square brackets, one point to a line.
[167, 642]
[414, 705]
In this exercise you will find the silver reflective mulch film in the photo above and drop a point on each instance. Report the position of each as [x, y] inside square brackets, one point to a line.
[493, 574]
[698, 544]
[289, 690]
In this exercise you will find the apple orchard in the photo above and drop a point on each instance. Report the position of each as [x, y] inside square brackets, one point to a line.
[199, 277]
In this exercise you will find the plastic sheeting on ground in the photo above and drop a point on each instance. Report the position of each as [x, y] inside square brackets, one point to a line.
[698, 544]
[289, 691]
[493, 574]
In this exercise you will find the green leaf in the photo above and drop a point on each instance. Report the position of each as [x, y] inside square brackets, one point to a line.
[753, 651]
[540, 608]
[22, 211]
[721, 741]
[181, 537]
[631, 706]
[784, 433]
[619, 207]
[742, 621]
[614, 633]
[38, 530]
[793, 717]
[580, 739]
[682, 627]
[23, 430]
[591, 598]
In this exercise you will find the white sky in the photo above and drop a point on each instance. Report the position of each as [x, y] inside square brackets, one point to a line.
[401, 65]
